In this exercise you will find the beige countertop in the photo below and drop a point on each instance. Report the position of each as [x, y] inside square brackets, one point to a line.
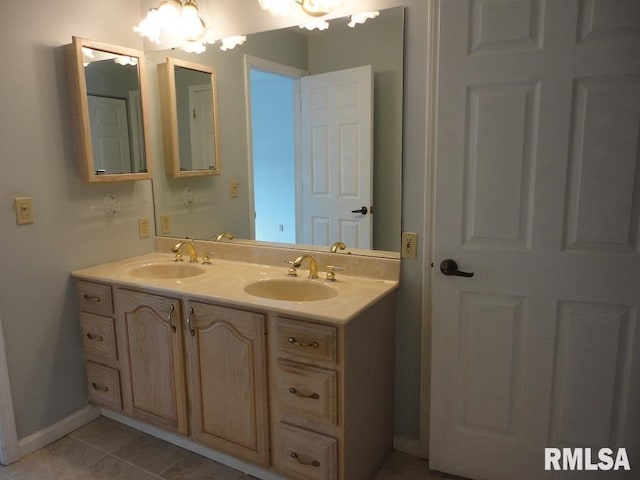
[224, 281]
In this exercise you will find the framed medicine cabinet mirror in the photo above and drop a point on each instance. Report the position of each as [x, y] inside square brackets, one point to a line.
[108, 96]
[189, 106]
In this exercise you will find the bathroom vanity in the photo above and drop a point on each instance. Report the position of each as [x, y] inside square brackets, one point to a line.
[292, 374]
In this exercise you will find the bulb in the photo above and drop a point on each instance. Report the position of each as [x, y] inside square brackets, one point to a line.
[315, 25]
[232, 42]
[150, 26]
[318, 7]
[169, 11]
[276, 7]
[358, 18]
[194, 47]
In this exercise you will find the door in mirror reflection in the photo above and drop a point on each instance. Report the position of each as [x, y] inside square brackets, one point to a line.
[109, 134]
[311, 155]
[115, 118]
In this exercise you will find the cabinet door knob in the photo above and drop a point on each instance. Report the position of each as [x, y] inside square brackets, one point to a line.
[98, 338]
[99, 387]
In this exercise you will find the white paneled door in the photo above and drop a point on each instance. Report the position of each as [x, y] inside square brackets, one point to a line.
[337, 153]
[537, 195]
[201, 128]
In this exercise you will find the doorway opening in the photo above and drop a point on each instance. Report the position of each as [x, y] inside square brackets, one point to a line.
[273, 119]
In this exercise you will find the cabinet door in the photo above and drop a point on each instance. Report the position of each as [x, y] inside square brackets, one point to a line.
[228, 380]
[150, 327]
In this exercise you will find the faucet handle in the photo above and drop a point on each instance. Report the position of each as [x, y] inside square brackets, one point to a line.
[178, 257]
[206, 257]
[331, 272]
[292, 270]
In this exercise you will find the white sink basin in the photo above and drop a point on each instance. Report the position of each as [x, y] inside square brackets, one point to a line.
[292, 290]
[167, 270]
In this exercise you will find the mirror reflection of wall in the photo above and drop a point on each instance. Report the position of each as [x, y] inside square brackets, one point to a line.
[202, 207]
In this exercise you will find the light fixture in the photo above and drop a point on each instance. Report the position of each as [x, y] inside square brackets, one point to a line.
[315, 25]
[174, 17]
[232, 42]
[358, 18]
[315, 8]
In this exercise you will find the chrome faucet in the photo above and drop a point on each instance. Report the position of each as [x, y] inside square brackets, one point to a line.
[336, 246]
[313, 266]
[193, 253]
[222, 235]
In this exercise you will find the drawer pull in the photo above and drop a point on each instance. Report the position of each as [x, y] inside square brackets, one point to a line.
[92, 298]
[99, 387]
[293, 341]
[294, 391]
[98, 338]
[314, 463]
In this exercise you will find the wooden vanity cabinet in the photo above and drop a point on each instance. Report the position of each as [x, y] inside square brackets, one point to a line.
[227, 365]
[307, 399]
[331, 395]
[149, 331]
[100, 346]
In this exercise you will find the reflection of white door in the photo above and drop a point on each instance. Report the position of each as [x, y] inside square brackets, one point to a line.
[538, 194]
[337, 152]
[203, 152]
[136, 132]
[109, 134]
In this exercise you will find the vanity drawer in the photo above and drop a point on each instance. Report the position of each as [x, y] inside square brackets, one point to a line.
[308, 392]
[307, 455]
[104, 386]
[98, 338]
[95, 298]
[307, 340]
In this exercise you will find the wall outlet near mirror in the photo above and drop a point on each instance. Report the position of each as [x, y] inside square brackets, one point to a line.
[144, 227]
[165, 224]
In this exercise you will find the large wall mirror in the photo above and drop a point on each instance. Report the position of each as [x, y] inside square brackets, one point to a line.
[202, 207]
[107, 88]
[189, 107]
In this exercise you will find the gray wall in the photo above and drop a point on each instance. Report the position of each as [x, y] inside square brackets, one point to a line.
[37, 299]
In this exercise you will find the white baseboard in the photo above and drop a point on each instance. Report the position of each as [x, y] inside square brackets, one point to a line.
[407, 445]
[48, 435]
[187, 444]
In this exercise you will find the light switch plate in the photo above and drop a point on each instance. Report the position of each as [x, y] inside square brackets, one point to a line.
[24, 210]
[165, 224]
[234, 186]
[144, 227]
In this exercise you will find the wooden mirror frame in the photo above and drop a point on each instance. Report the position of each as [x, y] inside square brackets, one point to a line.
[169, 109]
[80, 110]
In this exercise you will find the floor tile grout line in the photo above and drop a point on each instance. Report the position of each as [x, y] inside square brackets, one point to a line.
[131, 464]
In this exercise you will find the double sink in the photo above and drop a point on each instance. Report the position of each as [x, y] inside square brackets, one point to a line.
[294, 289]
[255, 278]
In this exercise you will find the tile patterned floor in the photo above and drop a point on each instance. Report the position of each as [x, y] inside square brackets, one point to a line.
[108, 450]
